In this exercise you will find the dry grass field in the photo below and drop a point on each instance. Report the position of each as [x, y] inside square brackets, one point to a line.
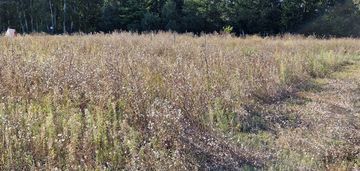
[179, 102]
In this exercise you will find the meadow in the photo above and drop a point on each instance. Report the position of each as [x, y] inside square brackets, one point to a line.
[165, 101]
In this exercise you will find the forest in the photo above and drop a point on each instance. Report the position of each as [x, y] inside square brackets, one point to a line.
[263, 17]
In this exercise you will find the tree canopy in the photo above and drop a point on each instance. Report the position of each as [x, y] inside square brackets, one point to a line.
[319, 17]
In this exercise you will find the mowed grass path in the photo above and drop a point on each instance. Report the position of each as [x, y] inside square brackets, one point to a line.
[322, 126]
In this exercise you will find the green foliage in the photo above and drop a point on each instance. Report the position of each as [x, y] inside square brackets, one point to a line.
[341, 20]
[150, 21]
[228, 29]
[220, 117]
[322, 17]
[169, 15]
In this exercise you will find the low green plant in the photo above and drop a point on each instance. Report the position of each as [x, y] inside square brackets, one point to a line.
[228, 29]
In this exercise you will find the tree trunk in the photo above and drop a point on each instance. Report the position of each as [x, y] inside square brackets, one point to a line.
[26, 23]
[32, 16]
[64, 24]
[52, 17]
[20, 19]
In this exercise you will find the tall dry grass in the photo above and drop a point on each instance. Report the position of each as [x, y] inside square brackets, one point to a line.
[129, 101]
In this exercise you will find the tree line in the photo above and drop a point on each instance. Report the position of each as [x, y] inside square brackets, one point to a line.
[265, 17]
